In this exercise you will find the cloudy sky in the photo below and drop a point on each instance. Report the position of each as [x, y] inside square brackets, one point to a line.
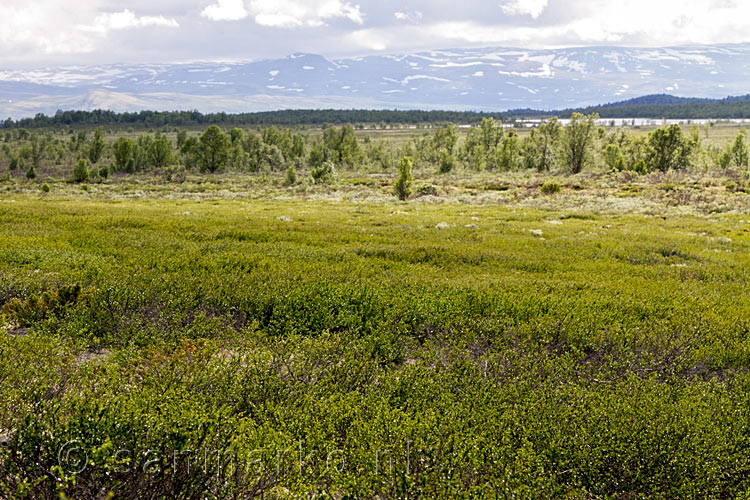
[49, 32]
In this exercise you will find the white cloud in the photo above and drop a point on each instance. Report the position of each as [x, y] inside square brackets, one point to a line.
[369, 38]
[44, 31]
[668, 22]
[28, 32]
[109, 21]
[296, 13]
[49, 32]
[588, 22]
[477, 33]
[226, 10]
[533, 8]
[411, 17]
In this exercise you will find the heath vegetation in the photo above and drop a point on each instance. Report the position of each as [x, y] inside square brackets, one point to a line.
[252, 313]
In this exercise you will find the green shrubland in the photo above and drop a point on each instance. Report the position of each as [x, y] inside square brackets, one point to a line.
[182, 348]
[555, 313]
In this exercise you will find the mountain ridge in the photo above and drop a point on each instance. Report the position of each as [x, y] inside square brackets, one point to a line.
[491, 79]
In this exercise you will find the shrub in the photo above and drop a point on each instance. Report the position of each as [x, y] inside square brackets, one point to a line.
[124, 151]
[402, 188]
[175, 173]
[324, 174]
[291, 176]
[31, 173]
[550, 188]
[669, 149]
[577, 139]
[96, 149]
[273, 157]
[81, 171]
[613, 157]
[446, 162]
[45, 188]
[213, 149]
[640, 167]
[427, 190]
[36, 308]
[739, 151]
[159, 152]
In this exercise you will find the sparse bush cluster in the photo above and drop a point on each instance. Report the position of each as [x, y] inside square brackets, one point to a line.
[550, 188]
[563, 147]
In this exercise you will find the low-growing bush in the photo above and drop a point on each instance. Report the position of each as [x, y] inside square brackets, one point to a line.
[38, 307]
[550, 188]
[492, 186]
[174, 173]
[427, 190]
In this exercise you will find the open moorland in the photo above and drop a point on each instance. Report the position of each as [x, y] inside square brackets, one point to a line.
[351, 313]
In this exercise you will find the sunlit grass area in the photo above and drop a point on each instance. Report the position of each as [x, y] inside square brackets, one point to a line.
[330, 346]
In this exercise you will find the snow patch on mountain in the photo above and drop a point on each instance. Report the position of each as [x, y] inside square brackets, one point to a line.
[492, 79]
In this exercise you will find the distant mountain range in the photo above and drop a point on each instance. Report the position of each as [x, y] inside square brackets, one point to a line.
[488, 79]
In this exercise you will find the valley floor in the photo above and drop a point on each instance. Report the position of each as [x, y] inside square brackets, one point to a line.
[230, 336]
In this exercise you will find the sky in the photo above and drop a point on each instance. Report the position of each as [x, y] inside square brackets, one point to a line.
[63, 32]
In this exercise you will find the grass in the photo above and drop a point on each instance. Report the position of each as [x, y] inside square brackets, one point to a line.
[450, 348]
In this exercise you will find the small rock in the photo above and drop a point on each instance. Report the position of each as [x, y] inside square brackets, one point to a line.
[554, 222]
[471, 226]
[18, 331]
[92, 355]
[724, 240]
[443, 225]
[284, 218]
[536, 232]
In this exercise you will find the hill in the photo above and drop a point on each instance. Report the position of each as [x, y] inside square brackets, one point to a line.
[656, 106]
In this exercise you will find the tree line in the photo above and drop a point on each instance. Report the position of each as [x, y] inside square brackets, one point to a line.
[279, 118]
[687, 109]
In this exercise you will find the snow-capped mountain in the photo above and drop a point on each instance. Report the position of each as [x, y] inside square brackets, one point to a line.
[492, 79]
